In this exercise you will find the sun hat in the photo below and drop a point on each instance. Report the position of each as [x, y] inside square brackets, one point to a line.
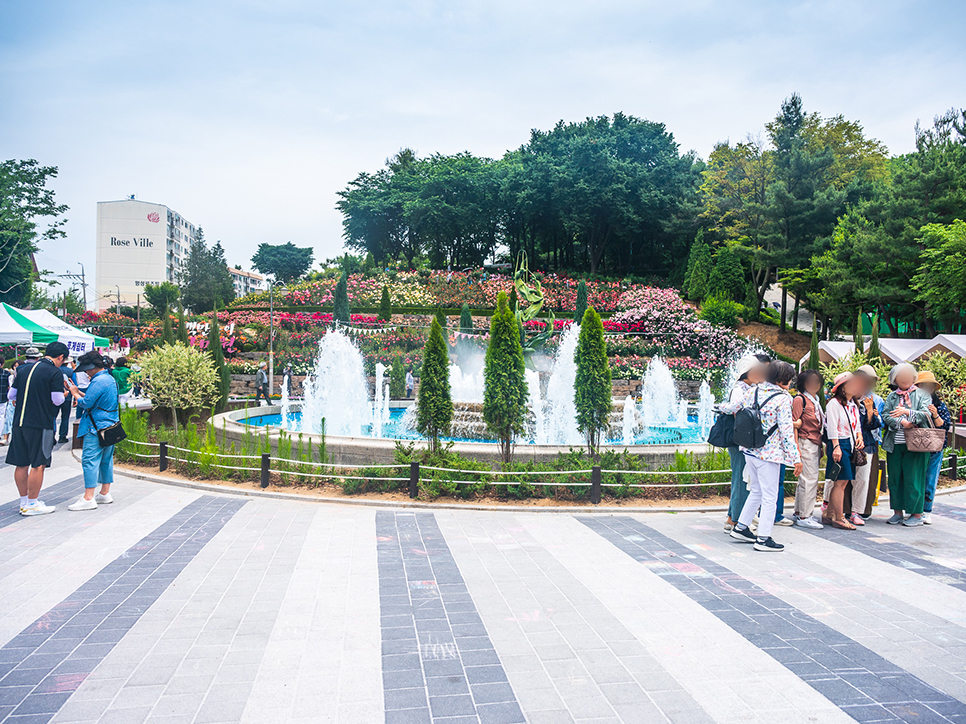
[927, 376]
[746, 364]
[869, 371]
[840, 379]
[89, 361]
[900, 368]
[32, 353]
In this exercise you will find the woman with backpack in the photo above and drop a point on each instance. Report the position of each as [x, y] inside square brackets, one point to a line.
[843, 429]
[751, 372]
[906, 407]
[809, 420]
[768, 409]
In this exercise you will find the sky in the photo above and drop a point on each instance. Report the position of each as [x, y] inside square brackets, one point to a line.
[247, 116]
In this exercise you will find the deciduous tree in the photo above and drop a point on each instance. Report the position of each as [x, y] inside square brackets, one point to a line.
[286, 262]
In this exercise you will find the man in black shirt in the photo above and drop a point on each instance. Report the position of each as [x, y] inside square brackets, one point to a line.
[38, 392]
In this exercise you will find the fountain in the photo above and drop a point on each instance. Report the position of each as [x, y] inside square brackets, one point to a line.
[465, 386]
[629, 421]
[659, 397]
[337, 390]
[377, 419]
[535, 404]
[559, 413]
[286, 403]
[706, 403]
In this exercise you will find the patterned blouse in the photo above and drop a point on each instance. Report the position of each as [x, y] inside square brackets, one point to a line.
[780, 447]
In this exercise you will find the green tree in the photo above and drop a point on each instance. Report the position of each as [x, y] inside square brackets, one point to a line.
[182, 327]
[167, 333]
[385, 305]
[514, 306]
[698, 269]
[204, 277]
[874, 351]
[592, 386]
[161, 296]
[581, 305]
[434, 406]
[466, 319]
[340, 311]
[727, 280]
[504, 376]
[286, 262]
[218, 359]
[814, 361]
[397, 378]
[940, 281]
[180, 379]
[859, 336]
[41, 297]
[440, 317]
[25, 204]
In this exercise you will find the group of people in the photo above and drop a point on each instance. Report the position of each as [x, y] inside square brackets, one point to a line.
[848, 426]
[41, 387]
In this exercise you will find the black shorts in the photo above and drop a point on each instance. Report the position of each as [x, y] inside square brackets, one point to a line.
[30, 446]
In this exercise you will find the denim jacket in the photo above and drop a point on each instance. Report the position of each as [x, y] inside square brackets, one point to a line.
[99, 404]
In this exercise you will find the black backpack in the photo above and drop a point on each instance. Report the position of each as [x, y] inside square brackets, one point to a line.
[748, 431]
[722, 433]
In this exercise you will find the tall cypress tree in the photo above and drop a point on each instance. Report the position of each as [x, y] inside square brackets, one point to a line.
[727, 278]
[385, 304]
[813, 360]
[167, 333]
[874, 352]
[218, 356]
[504, 379]
[859, 337]
[340, 311]
[592, 387]
[700, 271]
[440, 317]
[466, 319]
[434, 405]
[581, 306]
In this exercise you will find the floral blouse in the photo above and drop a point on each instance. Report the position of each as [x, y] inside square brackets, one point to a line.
[780, 447]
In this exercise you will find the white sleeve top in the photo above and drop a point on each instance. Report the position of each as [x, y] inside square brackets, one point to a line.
[842, 423]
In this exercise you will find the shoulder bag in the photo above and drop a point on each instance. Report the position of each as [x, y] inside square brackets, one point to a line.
[859, 456]
[113, 433]
[925, 439]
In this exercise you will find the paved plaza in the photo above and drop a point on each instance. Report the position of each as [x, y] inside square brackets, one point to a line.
[176, 605]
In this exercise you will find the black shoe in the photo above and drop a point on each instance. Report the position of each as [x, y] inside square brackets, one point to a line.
[742, 534]
[768, 545]
[63, 440]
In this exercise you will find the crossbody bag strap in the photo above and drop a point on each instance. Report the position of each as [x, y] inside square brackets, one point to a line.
[26, 387]
[117, 409]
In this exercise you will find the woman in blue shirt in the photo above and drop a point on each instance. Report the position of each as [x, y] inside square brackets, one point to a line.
[99, 404]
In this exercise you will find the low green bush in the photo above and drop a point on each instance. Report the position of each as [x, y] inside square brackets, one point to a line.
[721, 312]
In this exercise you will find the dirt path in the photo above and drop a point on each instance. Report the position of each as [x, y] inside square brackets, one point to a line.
[789, 344]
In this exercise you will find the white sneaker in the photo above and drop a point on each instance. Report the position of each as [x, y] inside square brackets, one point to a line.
[103, 499]
[83, 505]
[808, 523]
[927, 518]
[38, 508]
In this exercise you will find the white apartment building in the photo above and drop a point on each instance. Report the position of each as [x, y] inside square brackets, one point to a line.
[138, 243]
[246, 282]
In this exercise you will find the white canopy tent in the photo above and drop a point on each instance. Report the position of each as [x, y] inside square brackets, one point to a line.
[40, 327]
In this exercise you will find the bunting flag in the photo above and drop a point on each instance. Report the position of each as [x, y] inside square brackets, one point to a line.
[365, 330]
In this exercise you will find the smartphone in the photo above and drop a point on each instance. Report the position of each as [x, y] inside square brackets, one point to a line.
[836, 471]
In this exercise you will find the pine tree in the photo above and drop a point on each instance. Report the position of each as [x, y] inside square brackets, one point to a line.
[504, 376]
[218, 356]
[813, 359]
[581, 301]
[167, 333]
[397, 378]
[874, 352]
[592, 387]
[513, 300]
[434, 406]
[700, 271]
[727, 279]
[692, 258]
[859, 337]
[340, 311]
[440, 317]
[466, 319]
[385, 305]
[182, 327]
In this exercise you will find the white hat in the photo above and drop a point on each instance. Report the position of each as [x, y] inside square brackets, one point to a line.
[748, 363]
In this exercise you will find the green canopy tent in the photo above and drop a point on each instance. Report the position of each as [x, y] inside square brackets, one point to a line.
[40, 327]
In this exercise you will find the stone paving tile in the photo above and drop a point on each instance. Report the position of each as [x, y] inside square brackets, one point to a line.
[100, 612]
[859, 681]
[439, 664]
[949, 511]
[52, 494]
[564, 651]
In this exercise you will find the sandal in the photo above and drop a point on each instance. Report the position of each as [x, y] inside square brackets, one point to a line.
[842, 524]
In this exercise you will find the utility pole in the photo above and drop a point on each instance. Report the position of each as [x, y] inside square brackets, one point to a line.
[139, 314]
[83, 285]
[118, 287]
[271, 339]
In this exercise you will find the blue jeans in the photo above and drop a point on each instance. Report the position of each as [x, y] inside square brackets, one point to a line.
[739, 491]
[780, 505]
[932, 478]
[97, 462]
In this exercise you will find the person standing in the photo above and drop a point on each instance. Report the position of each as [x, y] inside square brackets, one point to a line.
[101, 406]
[121, 374]
[940, 419]
[4, 389]
[844, 431]
[410, 383]
[751, 372]
[67, 370]
[870, 415]
[906, 407]
[765, 463]
[6, 424]
[38, 390]
[261, 384]
[809, 420]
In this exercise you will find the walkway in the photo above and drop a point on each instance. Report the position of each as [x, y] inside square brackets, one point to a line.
[176, 606]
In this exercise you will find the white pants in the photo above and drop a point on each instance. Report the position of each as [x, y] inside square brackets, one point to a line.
[764, 494]
[860, 486]
[807, 488]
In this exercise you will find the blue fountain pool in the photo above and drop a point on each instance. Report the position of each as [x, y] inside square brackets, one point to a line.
[396, 430]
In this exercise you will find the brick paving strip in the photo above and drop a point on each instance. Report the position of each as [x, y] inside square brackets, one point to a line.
[949, 511]
[43, 665]
[438, 663]
[860, 682]
[51, 494]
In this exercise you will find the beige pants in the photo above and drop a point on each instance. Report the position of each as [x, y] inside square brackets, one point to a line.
[807, 487]
[860, 486]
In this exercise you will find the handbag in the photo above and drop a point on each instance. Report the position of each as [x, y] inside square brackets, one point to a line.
[113, 433]
[722, 433]
[925, 439]
[859, 457]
